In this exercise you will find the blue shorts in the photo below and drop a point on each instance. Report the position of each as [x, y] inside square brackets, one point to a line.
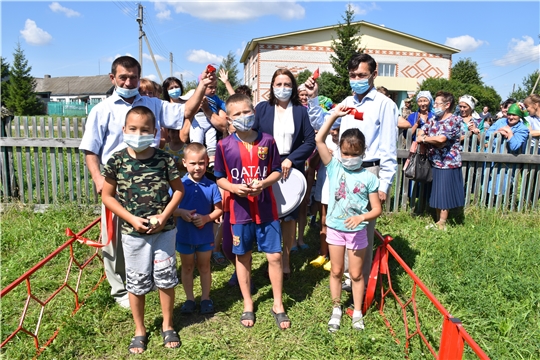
[267, 235]
[188, 249]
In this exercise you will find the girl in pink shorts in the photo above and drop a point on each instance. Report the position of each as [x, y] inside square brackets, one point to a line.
[354, 200]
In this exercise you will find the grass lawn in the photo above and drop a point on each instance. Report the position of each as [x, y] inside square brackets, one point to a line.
[483, 270]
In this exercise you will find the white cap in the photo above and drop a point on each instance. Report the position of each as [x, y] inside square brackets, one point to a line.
[187, 95]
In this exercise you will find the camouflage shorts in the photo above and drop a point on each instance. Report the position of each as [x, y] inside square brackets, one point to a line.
[150, 259]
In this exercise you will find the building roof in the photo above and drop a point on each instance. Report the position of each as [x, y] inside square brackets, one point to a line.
[253, 43]
[74, 85]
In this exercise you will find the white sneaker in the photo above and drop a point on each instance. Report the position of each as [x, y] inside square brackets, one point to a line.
[124, 302]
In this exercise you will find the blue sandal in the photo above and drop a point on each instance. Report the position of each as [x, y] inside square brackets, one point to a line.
[188, 307]
[219, 259]
[206, 307]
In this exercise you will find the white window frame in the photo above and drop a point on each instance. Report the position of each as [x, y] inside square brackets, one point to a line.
[387, 69]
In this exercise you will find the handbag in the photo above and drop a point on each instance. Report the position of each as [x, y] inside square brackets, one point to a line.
[417, 166]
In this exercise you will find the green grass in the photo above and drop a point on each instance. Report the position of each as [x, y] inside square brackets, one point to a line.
[483, 270]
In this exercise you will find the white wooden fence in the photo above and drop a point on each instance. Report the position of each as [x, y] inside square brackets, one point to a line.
[40, 163]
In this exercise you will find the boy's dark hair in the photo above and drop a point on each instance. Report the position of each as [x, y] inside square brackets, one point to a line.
[508, 102]
[194, 147]
[237, 98]
[358, 58]
[355, 139]
[143, 111]
[166, 83]
[294, 96]
[126, 62]
[447, 98]
[244, 89]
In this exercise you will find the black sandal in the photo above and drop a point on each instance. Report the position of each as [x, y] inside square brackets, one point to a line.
[280, 318]
[170, 336]
[138, 342]
[247, 315]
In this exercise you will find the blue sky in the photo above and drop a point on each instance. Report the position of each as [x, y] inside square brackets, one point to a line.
[82, 38]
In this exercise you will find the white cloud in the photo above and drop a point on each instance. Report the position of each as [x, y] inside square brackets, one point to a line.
[186, 75]
[363, 9]
[238, 10]
[203, 57]
[240, 50]
[152, 77]
[112, 58]
[56, 7]
[465, 43]
[34, 35]
[164, 15]
[520, 51]
[157, 56]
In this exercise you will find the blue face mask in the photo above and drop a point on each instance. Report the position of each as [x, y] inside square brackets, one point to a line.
[127, 93]
[437, 112]
[360, 86]
[244, 123]
[174, 93]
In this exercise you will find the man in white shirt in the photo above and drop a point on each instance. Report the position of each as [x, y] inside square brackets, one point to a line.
[379, 126]
[103, 136]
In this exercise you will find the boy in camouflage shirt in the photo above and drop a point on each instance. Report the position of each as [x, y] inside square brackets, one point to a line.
[141, 176]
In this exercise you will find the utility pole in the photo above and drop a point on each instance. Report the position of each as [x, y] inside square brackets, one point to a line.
[171, 60]
[141, 33]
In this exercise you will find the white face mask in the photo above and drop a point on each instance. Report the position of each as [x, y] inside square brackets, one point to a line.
[244, 123]
[126, 93]
[138, 142]
[352, 163]
[282, 93]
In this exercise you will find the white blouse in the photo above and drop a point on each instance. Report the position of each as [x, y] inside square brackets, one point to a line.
[284, 129]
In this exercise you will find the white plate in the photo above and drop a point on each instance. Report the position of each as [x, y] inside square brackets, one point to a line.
[289, 193]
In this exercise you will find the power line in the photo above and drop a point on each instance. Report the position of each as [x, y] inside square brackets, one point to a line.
[512, 70]
[126, 8]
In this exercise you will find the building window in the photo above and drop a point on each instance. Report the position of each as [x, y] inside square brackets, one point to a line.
[387, 70]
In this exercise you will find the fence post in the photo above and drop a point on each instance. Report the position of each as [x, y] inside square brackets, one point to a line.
[451, 346]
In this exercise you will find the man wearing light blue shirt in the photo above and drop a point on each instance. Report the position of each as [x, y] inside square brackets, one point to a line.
[103, 136]
[379, 126]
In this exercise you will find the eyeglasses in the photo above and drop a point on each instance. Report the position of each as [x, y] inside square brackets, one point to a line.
[359, 76]
[438, 104]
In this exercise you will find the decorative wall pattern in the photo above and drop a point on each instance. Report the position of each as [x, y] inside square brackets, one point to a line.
[422, 69]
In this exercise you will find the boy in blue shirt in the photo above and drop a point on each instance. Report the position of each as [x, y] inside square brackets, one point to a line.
[197, 212]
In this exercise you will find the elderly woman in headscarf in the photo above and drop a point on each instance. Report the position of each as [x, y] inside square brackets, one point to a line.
[516, 133]
[441, 135]
[417, 119]
[302, 95]
[471, 121]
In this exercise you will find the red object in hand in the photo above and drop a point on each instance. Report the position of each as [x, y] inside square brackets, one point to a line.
[194, 217]
[316, 74]
[210, 68]
[357, 114]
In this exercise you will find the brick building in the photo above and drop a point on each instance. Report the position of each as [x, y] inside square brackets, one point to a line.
[404, 60]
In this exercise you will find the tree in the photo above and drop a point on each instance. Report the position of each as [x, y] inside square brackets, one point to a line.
[4, 77]
[528, 83]
[328, 83]
[347, 43]
[228, 64]
[486, 95]
[189, 85]
[21, 98]
[466, 71]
